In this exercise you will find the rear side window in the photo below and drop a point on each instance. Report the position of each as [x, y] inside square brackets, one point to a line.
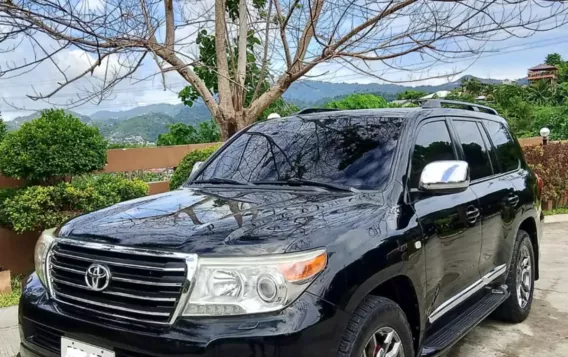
[506, 150]
[474, 149]
[433, 143]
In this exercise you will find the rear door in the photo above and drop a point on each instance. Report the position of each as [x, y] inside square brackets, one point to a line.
[489, 186]
[450, 222]
[500, 197]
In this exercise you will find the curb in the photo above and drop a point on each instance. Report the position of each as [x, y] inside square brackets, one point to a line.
[557, 218]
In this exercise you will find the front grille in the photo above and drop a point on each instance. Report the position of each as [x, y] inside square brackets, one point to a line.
[143, 287]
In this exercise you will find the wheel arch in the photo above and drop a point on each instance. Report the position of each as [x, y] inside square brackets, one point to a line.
[529, 225]
[402, 290]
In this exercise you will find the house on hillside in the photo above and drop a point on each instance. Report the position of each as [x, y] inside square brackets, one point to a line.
[543, 71]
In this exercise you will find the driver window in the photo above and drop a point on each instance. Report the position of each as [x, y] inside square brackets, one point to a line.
[433, 143]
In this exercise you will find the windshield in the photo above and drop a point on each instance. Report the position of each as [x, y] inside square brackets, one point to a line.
[349, 151]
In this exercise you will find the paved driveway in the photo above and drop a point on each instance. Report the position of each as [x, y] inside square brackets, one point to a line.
[545, 332]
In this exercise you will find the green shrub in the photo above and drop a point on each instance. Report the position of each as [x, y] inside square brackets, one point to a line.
[52, 147]
[183, 171]
[3, 129]
[5, 193]
[36, 208]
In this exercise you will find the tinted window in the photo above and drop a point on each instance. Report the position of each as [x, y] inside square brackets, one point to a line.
[351, 151]
[506, 150]
[474, 149]
[432, 144]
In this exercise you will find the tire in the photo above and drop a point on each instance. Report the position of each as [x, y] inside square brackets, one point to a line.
[375, 318]
[516, 309]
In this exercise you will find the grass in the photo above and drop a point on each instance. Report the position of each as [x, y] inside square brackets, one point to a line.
[563, 210]
[14, 297]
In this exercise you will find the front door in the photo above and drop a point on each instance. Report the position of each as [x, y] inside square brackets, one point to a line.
[450, 222]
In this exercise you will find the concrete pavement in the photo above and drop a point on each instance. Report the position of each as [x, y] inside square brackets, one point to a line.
[9, 335]
[544, 333]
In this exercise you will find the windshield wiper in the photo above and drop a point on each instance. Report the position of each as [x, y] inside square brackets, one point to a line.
[220, 180]
[303, 182]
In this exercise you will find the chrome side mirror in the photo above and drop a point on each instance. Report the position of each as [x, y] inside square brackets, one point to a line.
[195, 167]
[445, 176]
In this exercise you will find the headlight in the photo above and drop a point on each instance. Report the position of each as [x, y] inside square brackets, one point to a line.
[40, 255]
[250, 285]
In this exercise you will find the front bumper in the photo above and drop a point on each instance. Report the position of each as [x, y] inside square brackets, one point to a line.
[310, 326]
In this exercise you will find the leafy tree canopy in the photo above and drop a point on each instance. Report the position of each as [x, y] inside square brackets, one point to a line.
[553, 59]
[410, 94]
[358, 101]
[182, 134]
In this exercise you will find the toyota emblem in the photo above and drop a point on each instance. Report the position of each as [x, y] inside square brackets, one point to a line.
[97, 277]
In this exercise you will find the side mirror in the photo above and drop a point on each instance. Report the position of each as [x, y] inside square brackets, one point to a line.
[445, 177]
[195, 167]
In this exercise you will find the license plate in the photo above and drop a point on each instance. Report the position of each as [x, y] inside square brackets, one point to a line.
[73, 348]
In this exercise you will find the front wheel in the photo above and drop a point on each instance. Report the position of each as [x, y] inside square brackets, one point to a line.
[378, 328]
[520, 281]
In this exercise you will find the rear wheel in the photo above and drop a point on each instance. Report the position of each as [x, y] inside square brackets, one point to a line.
[520, 281]
[378, 328]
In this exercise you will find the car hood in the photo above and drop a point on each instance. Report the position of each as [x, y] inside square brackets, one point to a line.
[228, 220]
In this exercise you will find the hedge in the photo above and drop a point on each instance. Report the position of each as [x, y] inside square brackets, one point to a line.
[549, 162]
[36, 208]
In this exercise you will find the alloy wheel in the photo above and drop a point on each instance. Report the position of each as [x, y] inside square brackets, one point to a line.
[385, 342]
[524, 277]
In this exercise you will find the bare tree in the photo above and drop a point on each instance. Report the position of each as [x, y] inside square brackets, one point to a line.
[295, 37]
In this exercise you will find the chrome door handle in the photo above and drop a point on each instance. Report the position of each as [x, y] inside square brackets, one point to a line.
[472, 214]
[513, 200]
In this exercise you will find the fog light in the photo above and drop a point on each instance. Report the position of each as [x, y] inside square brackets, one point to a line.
[267, 288]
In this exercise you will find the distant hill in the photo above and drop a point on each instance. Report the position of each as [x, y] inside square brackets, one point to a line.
[169, 109]
[142, 128]
[145, 123]
[316, 92]
[17, 122]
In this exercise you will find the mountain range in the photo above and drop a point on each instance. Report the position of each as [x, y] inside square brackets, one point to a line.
[143, 124]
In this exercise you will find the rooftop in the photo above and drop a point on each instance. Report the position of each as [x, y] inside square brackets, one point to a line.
[543, 67]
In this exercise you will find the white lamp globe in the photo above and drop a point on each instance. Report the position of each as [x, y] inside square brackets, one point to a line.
[273, 116]
[544, 132]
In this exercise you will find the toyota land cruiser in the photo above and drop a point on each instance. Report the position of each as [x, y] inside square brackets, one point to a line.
[388, 232]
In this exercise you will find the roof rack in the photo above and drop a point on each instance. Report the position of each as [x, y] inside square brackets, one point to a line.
[437, 103]
[315, 110]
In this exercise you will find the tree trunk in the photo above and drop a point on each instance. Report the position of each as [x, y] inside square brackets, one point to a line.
[229, 125]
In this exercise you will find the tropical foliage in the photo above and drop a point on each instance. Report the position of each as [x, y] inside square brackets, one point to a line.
[358, 101]
[51, 148]
[528, 108]
[56, 152]
[3, 129]
[181, 134]
[35, 208]
[410, 94]
[183, 171]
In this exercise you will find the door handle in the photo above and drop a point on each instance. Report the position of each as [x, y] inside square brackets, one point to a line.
[513, 199]
[472, 214]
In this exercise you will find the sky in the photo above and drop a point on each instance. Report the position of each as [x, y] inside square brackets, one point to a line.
[507, 59]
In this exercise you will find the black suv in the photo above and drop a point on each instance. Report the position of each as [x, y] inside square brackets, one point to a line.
[388, 232]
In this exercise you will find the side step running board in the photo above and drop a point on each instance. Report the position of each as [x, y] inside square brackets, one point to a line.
[448, 335]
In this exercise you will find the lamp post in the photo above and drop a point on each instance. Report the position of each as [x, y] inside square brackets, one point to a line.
[544, 132]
